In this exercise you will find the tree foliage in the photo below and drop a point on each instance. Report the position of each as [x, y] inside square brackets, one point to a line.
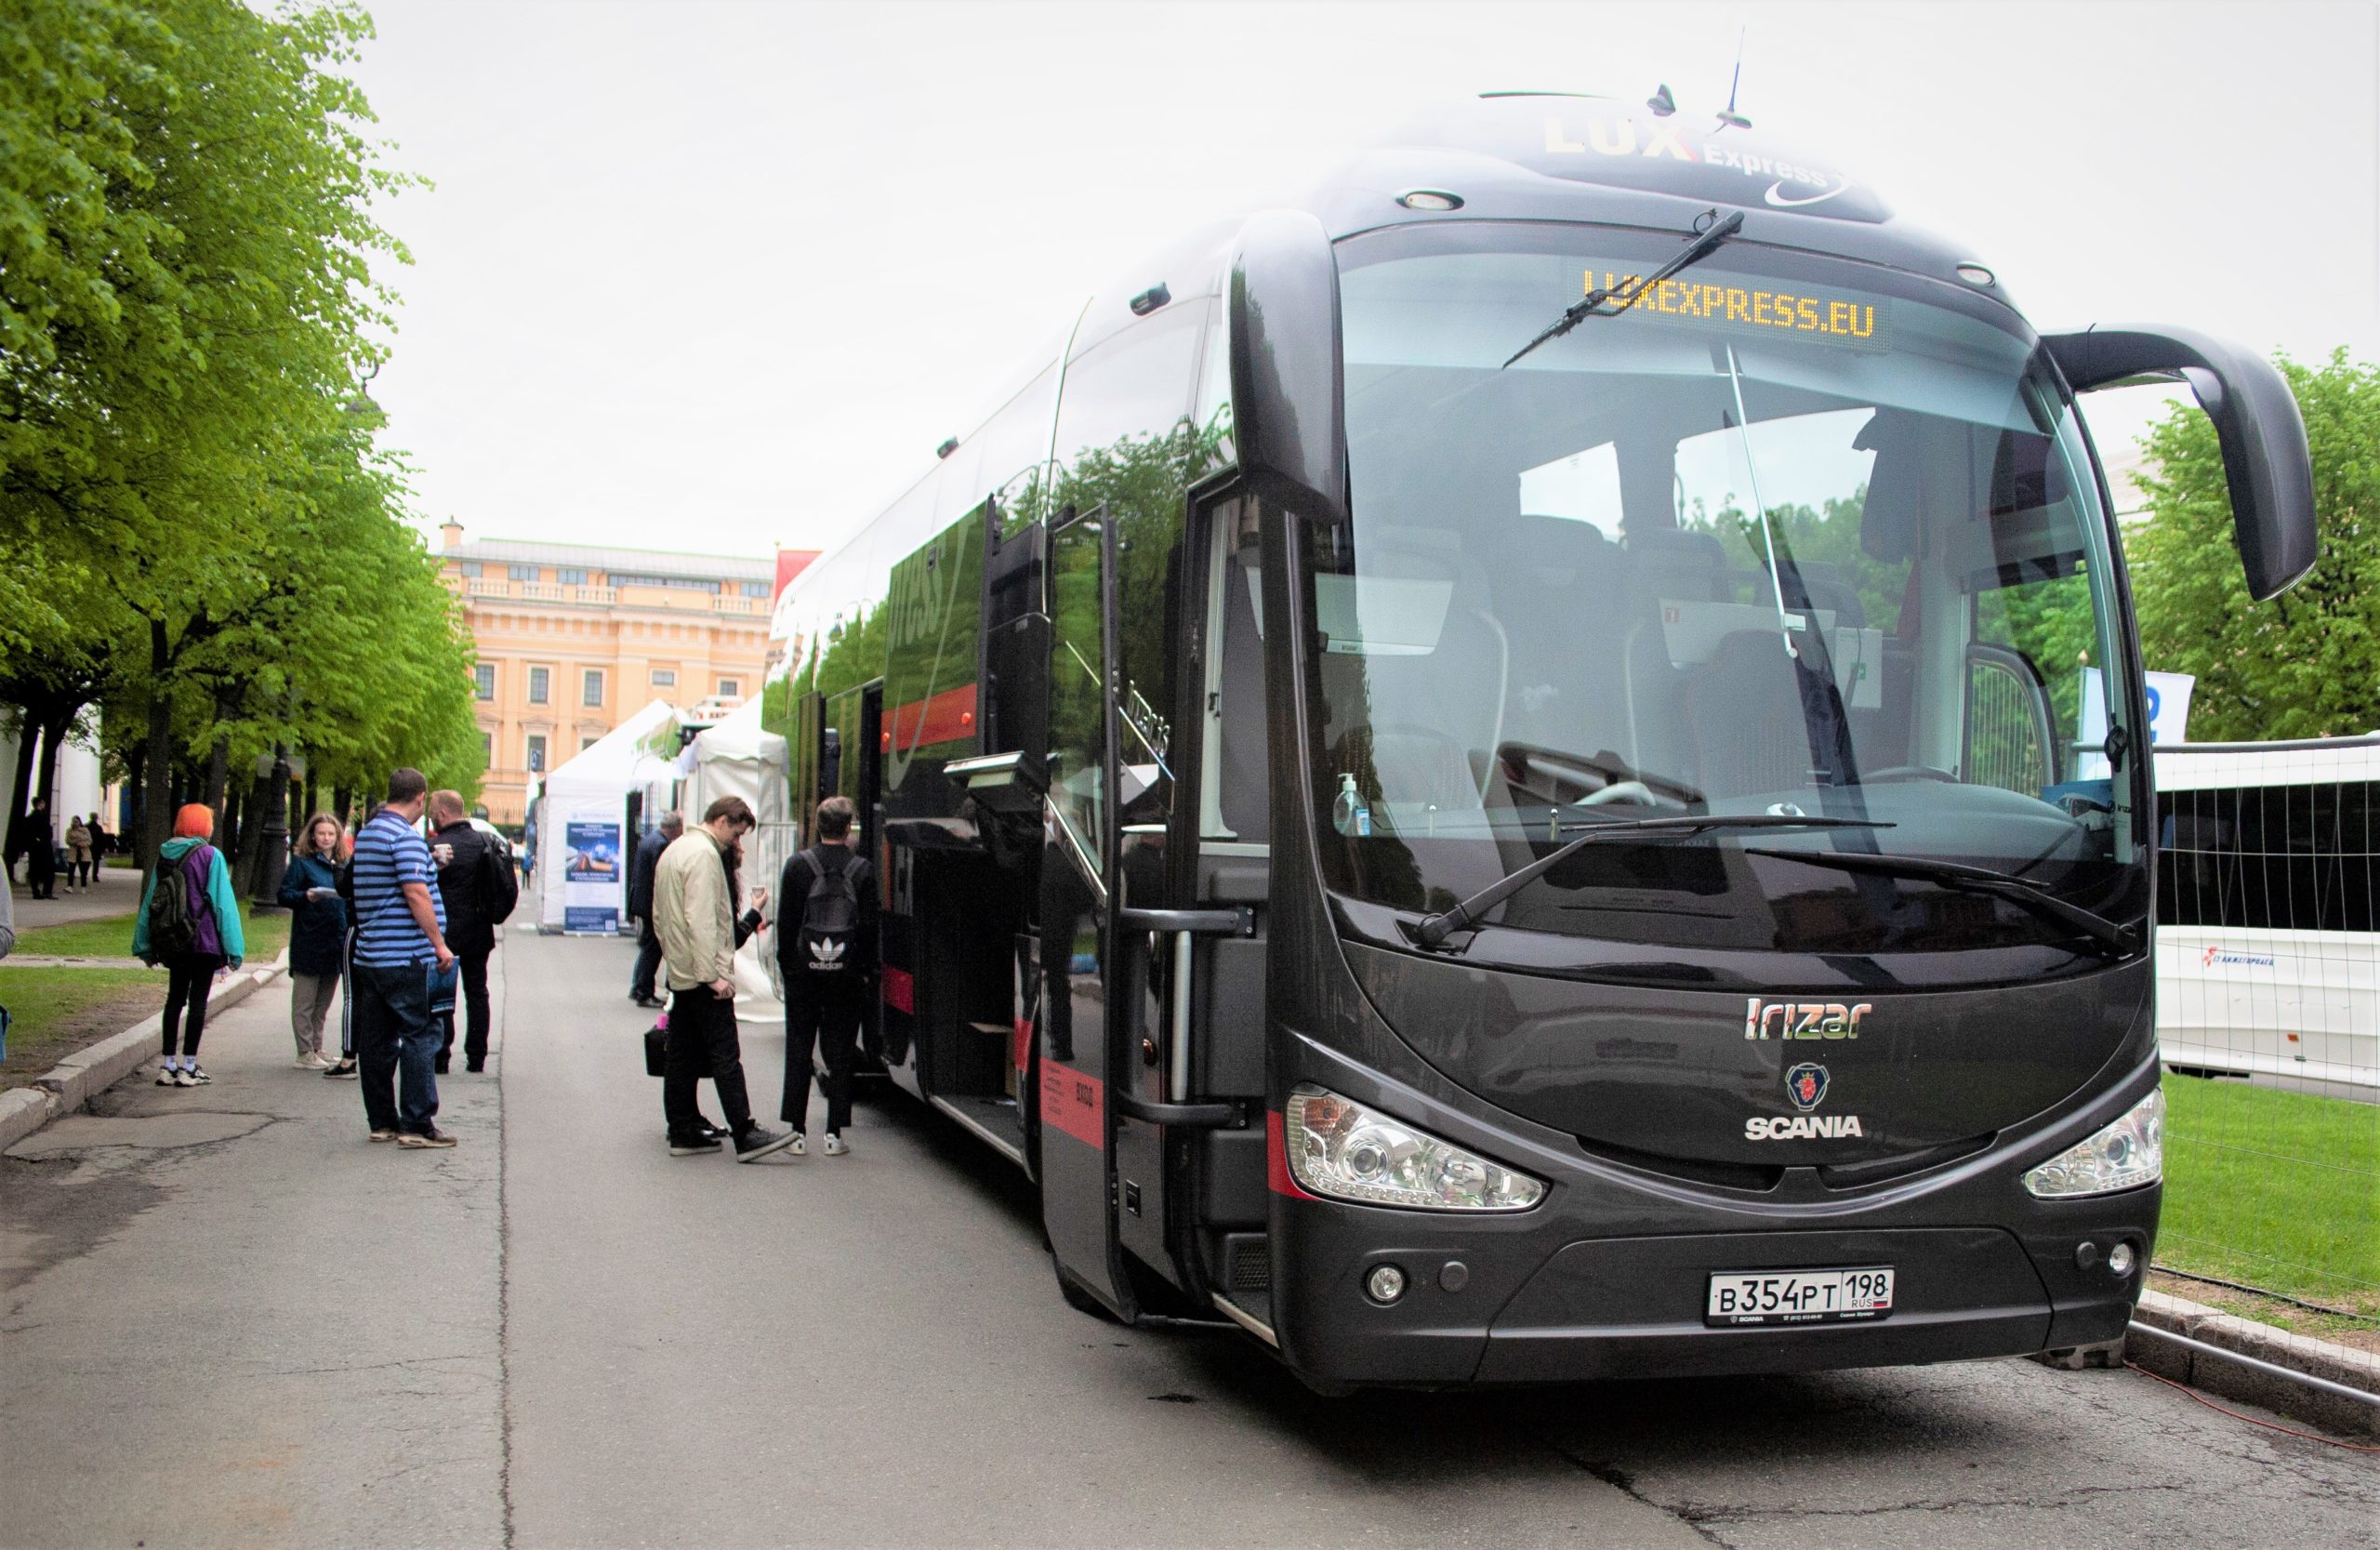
[204, 540]
[2308, 664]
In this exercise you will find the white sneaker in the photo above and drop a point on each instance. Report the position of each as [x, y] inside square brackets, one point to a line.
[800, 1146]
[184, 1077]
[309, 1060]
[165, 1077]
[834, 1147]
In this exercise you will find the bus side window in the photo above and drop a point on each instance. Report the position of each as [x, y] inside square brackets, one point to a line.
[1239, 803]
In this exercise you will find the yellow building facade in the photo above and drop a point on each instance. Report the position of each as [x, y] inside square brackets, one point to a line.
[573, 639]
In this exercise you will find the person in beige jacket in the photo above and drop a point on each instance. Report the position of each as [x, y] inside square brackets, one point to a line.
[693, 914]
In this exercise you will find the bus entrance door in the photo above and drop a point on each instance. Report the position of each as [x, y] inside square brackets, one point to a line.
[1077, 925]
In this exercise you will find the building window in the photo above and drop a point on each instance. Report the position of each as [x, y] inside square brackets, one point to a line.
[586, 743]
[521, 573]
[727, 689]
[756, 589]
[470, 568]
[483, 680]
[665, 678]
[536, 750]
[487, 750]
[537, 679]
[590, 688]
[571, 579]
[698, 584]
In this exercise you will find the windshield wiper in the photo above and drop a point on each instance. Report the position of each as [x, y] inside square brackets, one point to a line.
[1599, 304]
[2018, 891]
[1435, 929]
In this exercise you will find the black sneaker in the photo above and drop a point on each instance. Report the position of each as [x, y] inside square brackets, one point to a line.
[417, 1140]
[717, 1132]
[694, 1145]
[760, 1140]
[344, 1071]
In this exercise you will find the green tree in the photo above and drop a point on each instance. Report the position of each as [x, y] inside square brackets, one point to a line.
[2307, 663]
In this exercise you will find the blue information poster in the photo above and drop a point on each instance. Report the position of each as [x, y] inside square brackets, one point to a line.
[591, 875]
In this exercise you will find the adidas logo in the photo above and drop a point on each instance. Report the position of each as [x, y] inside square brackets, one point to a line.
[826, 955]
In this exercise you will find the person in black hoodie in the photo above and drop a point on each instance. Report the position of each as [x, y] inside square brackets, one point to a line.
[317, 934]
[826, 955]
[459, 848]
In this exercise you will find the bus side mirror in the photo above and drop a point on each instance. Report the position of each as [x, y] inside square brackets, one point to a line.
[2256, 423]
[1289, 418]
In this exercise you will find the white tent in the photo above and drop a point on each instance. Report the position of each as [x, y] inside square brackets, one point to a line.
[583, 845]
[738, 758]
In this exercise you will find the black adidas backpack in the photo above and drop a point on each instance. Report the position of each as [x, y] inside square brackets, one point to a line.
[829, 919]
[173, 919]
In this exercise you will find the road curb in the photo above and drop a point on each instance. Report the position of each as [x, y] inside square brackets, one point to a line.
[91, 1070]
[2321, 1360]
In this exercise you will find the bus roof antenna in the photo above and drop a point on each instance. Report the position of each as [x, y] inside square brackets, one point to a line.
[1729, 115]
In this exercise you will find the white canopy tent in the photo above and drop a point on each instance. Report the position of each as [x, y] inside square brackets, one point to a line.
[739, 758]
[583, 846]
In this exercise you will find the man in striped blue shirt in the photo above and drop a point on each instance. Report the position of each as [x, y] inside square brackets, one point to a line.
[401, 932]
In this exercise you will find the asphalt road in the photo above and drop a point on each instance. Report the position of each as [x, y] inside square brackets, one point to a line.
[225, 1319]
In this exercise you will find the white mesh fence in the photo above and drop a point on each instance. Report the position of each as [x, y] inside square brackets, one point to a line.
[2269, 1015]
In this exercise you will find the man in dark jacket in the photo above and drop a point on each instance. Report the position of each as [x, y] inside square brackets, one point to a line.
[648, 945]
[460, 849]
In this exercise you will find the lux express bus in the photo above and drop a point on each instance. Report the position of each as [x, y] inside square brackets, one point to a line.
[1478, 778]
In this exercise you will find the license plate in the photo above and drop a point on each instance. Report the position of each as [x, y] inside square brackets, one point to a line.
[1737, 1298]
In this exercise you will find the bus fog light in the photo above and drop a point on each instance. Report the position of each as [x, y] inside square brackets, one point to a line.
[1342, 1151]
[1385, 1284]
[2120, 1261]
[2124, 1156]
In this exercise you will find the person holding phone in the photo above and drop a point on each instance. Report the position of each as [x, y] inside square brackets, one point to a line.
[401, 932]
[317, 934]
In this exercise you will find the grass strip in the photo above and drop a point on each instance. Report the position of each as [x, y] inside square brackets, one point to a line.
[55, 1012]
[2273, 1188]
[111, 936]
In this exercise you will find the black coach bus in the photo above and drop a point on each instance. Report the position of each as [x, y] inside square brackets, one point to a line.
[1481, 777]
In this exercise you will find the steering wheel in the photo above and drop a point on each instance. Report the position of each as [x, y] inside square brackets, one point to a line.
[1622, 790]
[1906, 772]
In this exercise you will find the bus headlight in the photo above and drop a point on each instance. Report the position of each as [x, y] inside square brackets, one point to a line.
[1344, 1151]
[2124, 1156]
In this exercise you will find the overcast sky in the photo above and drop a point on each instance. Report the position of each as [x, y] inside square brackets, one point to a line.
[719, 278]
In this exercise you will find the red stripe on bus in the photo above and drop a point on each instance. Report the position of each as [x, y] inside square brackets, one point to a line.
[942, 718]
[1075, 1102]
[1277, 1177]
[900, 990]
[1023, 1052]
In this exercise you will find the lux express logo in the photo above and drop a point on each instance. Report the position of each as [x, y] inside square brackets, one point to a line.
[1665, 138]
[2210, 957]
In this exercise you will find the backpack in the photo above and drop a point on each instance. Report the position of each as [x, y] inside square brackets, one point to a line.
[173, 915]
[830, 914]
[498, 885]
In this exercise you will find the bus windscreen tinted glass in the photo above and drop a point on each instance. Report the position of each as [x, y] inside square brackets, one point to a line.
[1792, 535]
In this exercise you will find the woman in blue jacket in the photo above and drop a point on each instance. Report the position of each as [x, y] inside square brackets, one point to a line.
[317, 934]
[189, 863]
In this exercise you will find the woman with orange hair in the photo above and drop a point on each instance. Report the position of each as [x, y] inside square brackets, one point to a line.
[190, 922]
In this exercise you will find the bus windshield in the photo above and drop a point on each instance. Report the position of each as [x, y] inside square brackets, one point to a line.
[1793, 534]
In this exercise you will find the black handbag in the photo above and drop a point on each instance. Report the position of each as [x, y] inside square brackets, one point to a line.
[657, 1051]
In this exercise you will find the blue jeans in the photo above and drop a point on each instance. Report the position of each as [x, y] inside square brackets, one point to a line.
[396, 1043]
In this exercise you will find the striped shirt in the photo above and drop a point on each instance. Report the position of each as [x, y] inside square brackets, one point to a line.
[388, 855]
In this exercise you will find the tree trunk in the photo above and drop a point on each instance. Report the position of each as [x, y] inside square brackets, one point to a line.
[128, 825]
[251, 829]
[218, 777]
[53, 740]
[343, 801]
[156, 818]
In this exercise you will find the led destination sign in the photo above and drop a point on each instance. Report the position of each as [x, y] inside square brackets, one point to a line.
[1834, 316]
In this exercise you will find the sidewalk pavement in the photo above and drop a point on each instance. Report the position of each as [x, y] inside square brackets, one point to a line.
[116, 891]
[230, 1320]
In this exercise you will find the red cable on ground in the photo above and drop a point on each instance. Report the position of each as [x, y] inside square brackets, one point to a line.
[2269, 1425]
